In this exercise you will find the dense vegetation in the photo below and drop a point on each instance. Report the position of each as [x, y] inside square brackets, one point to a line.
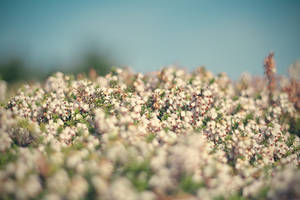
[170, 134]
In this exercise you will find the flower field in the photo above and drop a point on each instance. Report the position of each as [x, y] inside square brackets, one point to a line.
[165, 135]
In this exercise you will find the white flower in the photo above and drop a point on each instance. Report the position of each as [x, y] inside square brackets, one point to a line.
[33, 186]
[121, 189]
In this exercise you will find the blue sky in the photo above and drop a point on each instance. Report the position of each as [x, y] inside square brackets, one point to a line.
[225, 36]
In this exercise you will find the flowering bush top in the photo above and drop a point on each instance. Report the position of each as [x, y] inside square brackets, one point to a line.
[170, 134]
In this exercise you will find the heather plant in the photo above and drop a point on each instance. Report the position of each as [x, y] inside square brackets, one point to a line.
[170, 134]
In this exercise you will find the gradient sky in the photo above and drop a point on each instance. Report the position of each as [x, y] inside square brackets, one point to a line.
[225, 36]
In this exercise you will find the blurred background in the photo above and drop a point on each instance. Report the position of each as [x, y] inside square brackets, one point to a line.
[38, 38]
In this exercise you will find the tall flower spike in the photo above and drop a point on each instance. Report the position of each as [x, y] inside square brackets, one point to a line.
[270, 70]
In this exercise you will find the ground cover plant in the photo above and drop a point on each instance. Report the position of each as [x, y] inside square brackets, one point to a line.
[170, 134]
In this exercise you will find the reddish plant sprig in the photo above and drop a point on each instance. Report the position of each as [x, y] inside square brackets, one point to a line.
[293, 90]
[270, 70]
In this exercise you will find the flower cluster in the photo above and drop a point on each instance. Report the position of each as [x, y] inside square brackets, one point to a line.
[169, 134]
